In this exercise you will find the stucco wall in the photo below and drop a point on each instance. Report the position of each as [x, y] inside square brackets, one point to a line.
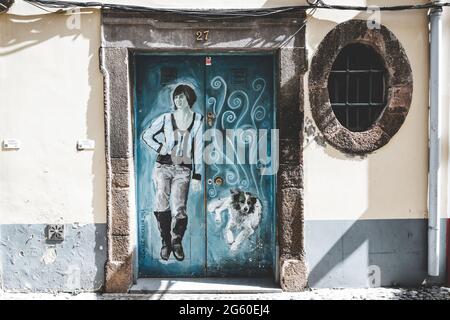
[381, 185]
[392, 181]
[51, 93]
[366, 217]
[52, 96]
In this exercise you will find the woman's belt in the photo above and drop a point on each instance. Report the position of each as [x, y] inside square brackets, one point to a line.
[167, 159]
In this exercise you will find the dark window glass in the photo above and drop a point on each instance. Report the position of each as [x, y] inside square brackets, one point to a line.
[357, 87]
[238, 77]
[168, 75]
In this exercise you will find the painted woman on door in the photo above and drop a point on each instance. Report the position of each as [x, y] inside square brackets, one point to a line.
[177, 139]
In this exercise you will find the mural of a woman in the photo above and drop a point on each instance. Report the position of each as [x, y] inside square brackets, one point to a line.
[177, 138]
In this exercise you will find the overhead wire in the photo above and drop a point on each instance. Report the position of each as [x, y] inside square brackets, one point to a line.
[232, 13]
[213, 14]
[320, 4]
[309, 16]
[38, 6]
[5, 5]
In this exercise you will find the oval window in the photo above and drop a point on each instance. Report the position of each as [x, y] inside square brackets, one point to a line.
[357, 87]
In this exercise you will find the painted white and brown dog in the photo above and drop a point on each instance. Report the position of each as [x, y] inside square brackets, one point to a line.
[244, 215]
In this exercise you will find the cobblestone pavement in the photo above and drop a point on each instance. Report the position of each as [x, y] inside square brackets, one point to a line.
[433, 293]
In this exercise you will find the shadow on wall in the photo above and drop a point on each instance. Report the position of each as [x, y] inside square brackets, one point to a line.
[20, 33]
[370, 251]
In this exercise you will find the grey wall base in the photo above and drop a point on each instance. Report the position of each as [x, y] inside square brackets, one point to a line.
[30, 263]
[338, 254]
[354, 253]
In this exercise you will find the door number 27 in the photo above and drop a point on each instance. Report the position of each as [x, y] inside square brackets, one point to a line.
[202, 35]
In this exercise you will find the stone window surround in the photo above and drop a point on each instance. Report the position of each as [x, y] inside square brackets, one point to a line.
[124, 33]
[399, 87]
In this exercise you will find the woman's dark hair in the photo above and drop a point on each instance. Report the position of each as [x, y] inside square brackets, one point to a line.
[188, 92]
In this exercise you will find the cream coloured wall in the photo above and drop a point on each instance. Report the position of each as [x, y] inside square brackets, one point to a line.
[391, 183]
[51, 95]
[49, 181]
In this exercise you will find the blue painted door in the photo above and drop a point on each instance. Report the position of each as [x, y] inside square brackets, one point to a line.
[156, 78]
[240, 113]
[231, 213]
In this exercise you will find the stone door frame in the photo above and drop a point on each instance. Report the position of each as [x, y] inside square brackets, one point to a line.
[124, 33]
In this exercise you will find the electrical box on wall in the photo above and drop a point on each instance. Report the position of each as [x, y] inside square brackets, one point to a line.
[85, 144]
[11, 144]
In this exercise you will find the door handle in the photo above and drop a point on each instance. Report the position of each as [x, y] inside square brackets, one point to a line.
[210, 118]
[218, 181]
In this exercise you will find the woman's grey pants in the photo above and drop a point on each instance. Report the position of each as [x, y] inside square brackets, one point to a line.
[172, 187]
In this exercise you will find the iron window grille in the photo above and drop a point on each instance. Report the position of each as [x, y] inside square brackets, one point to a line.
[357, 87]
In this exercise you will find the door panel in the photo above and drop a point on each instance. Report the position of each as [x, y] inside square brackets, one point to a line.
[239, 96]
[234, 92]
[156, 76]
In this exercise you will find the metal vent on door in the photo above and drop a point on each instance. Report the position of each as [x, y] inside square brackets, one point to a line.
[238, 77]
[168, 75]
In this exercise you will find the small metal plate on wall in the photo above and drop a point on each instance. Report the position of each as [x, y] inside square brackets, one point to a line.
[11, 144]
[85, 144]
[55, 232]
